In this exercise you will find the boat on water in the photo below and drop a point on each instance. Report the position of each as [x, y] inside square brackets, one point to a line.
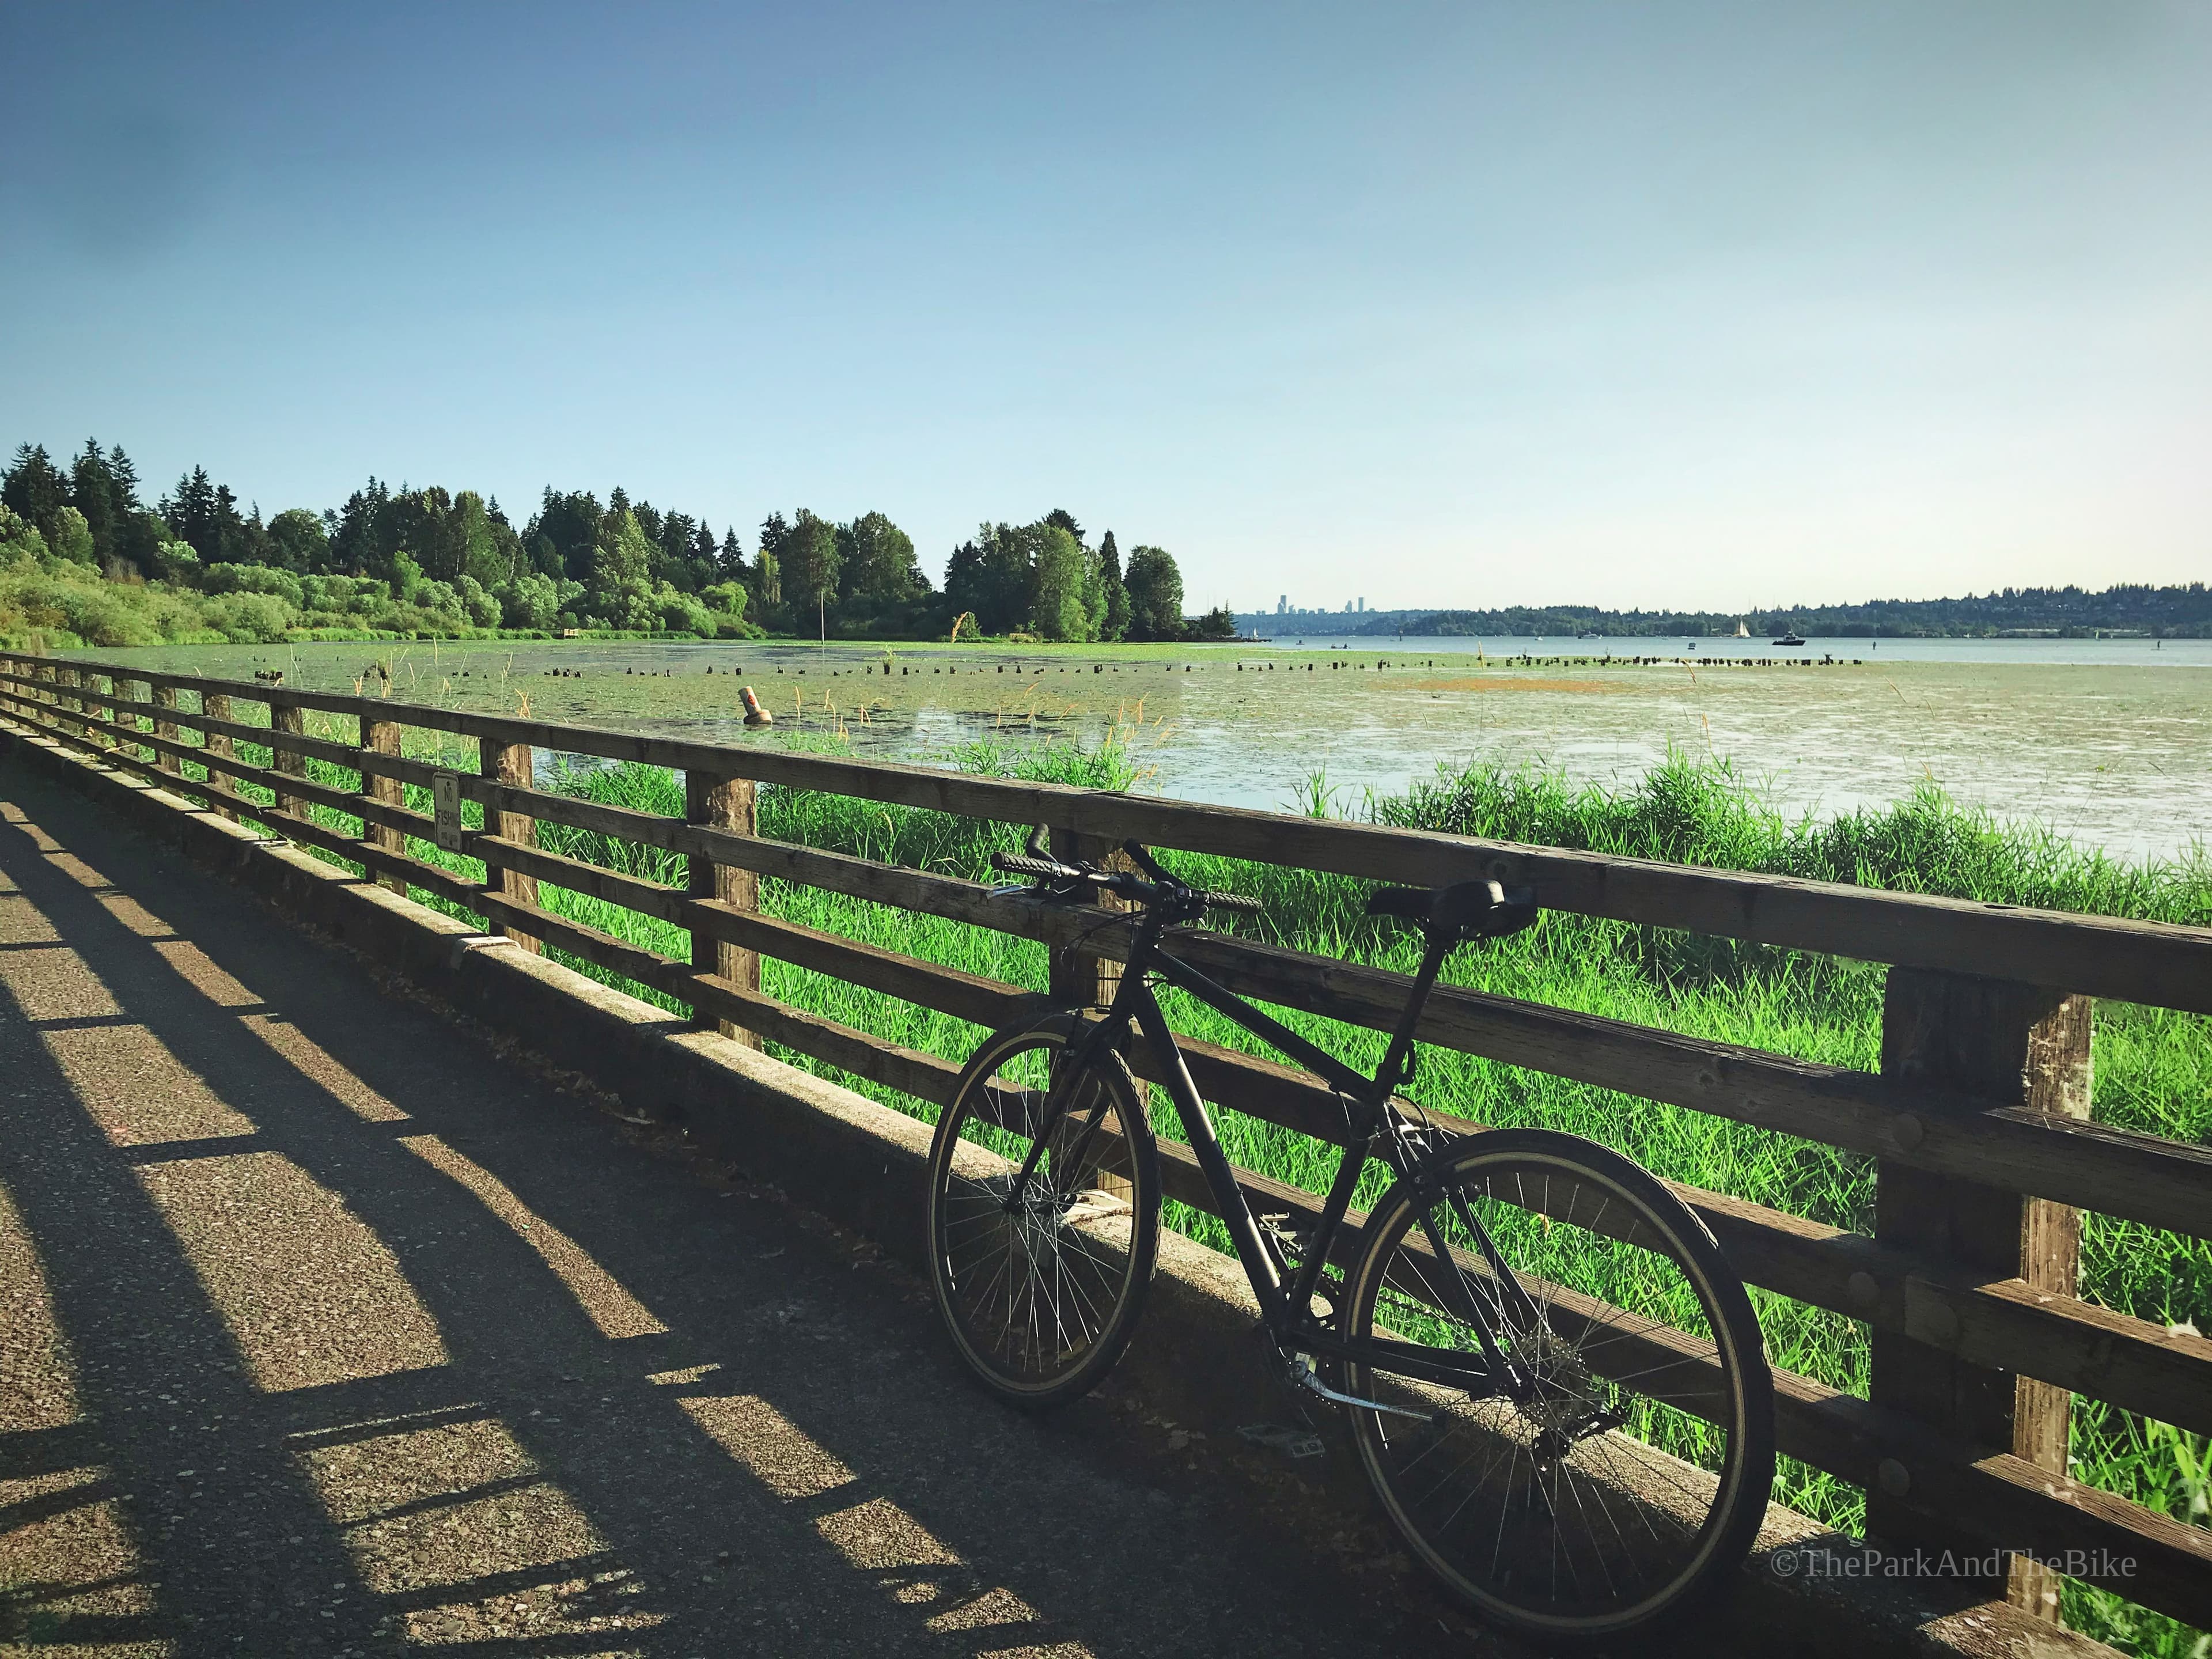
[1741, 632]
[1790, 638]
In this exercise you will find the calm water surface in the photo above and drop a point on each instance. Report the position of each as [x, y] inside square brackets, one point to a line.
[2110, 741]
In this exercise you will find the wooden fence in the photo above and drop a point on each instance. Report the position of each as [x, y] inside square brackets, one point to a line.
[1977, 1119]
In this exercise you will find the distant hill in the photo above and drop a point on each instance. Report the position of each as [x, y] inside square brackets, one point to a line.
[2181, 612]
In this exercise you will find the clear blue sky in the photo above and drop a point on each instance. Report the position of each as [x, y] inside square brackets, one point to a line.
[1658, 305]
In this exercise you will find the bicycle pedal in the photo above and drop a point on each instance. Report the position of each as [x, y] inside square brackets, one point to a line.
[1295, 1443]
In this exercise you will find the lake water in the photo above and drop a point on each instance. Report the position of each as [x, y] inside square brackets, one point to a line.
[2108, 741]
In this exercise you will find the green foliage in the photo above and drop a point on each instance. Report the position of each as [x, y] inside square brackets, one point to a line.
[1117, 626]
[1155, 587]
[71, 538]
[877, 562]
[1694, 811]
[21, 544]
[1218, 623]
[34, 489]
[297, 540]
[810, 557]
[452, 563]
[1069, 589]
[530, 600]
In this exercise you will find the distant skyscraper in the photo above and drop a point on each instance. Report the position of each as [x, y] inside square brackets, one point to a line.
[1362, 602]
[1282, 604]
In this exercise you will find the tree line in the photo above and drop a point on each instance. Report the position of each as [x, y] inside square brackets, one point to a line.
[434, 562]
[2183, 611]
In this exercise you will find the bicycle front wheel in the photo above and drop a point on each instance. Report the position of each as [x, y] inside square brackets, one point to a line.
[1040, 1287]
[1620, 1464]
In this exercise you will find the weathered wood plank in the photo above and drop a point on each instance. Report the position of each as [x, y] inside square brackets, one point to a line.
[729, 807]
[381, 736]
[219, 746]
[635, 893]
[509, 764]
[289, 761]
[2001, 1039]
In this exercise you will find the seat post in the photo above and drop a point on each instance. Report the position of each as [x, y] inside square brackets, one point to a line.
[1439, 946]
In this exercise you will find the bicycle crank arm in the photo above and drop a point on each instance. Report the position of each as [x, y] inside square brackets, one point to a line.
[1302, 1373]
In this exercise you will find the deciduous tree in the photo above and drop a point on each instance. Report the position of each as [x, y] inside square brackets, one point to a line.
[1155, 587]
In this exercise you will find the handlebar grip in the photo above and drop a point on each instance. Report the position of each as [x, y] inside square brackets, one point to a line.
[1251, 906]
[1015, 865]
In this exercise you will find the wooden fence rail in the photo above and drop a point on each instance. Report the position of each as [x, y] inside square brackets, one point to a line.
[1977, 1120]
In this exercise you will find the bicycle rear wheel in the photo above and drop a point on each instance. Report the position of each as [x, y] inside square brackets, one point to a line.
[1040, 1295]
[1629, 1468]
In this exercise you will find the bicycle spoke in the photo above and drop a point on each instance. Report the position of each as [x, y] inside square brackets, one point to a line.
[1588, 1483]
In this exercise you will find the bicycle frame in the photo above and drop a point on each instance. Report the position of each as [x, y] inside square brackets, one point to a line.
[1286, 1299]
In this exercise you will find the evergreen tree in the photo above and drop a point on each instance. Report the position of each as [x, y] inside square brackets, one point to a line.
[92, 492]
[963, 578]
[361, 543]
[1117, 625]
[1060, 519]
[730, 560]
[562, 538]
[34, 489]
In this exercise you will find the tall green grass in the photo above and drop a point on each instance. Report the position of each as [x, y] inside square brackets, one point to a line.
[2153, 1068]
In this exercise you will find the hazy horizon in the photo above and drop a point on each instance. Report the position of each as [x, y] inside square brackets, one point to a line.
[1451, 307]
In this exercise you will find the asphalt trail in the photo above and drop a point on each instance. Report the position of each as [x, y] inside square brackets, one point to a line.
[328, 1331]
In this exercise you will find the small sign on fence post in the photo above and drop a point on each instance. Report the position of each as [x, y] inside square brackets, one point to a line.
[446, 805]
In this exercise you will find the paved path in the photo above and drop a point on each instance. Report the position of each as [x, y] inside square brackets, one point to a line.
[324, 1331]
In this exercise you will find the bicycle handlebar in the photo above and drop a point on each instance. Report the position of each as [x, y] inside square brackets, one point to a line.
[1163, 887]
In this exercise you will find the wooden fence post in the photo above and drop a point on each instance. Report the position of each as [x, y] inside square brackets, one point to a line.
[382, 737]
[288, 721]
[93, 708]
[165, 696]
[1081, 977]
[508, 763]
[731, 805]
[2019, 1045]
[216, 707]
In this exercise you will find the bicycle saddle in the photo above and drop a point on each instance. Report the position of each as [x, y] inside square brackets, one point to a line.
[1466, 909]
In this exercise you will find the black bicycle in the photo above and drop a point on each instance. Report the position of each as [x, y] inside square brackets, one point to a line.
[1555, 1384]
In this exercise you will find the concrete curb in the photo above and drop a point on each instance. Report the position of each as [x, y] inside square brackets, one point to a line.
[861, 1164]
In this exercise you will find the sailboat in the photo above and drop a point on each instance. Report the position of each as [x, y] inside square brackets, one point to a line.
[1741, 632]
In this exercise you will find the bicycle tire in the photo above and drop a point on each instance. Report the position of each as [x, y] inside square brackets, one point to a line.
[1040, 1303]
[1702, 1373]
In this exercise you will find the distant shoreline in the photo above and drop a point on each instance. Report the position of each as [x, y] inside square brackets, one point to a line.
[2033, 613]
